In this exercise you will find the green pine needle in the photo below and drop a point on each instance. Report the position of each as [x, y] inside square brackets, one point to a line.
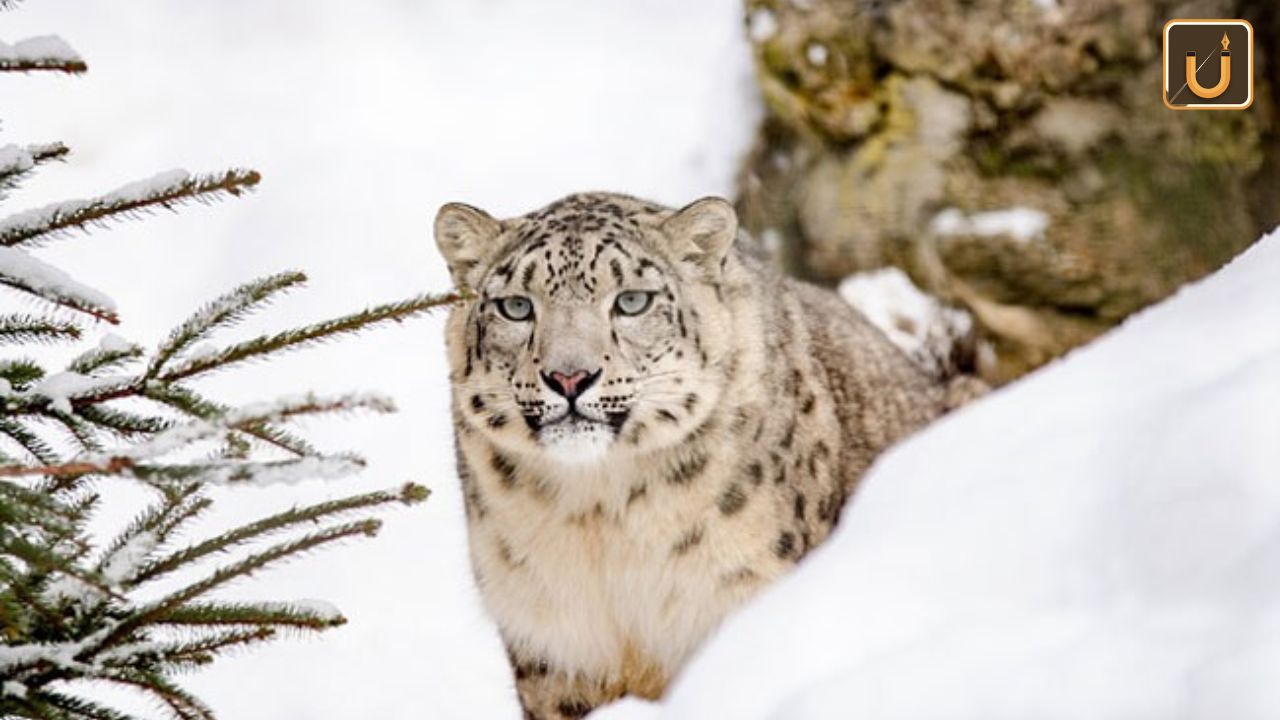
[25, 329]
[28, 228]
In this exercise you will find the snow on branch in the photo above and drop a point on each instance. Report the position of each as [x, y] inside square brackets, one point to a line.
[20, 271]
[130, 460]
[166, 190]
[21, 328]
[17, 161]
[46, 52]
[267, 344]
[223, 312]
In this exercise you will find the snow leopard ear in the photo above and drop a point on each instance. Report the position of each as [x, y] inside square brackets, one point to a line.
[703, 231]
[467, 238]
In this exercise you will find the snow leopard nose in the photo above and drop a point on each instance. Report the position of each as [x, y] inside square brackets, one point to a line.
[570, 385]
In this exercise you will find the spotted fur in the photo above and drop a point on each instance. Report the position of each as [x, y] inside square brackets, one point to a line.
[721, 433]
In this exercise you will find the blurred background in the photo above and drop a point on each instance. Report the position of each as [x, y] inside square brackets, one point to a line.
[1010, 158]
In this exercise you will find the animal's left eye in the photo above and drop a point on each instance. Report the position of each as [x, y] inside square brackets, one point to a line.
[633, 302]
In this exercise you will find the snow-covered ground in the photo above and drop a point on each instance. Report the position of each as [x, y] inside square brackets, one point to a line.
[1100, 540]
[363, 118]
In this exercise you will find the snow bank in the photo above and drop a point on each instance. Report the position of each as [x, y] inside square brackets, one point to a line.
[1097, 541]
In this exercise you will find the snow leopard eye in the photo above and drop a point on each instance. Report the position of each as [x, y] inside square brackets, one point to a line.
[515, 308]
[633, 302]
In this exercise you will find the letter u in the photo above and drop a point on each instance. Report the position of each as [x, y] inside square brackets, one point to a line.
[1224, 78]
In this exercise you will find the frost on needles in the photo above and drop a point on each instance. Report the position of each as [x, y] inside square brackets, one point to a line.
[111, 608]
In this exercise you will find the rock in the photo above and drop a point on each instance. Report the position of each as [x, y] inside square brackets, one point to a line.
[903, 132]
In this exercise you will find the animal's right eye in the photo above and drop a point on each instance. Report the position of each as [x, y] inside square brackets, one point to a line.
[515, 308]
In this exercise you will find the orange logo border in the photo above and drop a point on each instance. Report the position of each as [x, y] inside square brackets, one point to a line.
[1164, 62]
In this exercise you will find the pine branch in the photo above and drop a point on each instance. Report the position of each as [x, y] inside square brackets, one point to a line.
[187, 401]
[267, 344]
[148, 614]
[149, 530]
[48, 52]
[80, 431]
[409, 494]
[183, 655]
[25, 273]
[268, 472]
[51, 704]
[21, 505]
[111, 357]
[167, 190]
[17, 162]
[35, 446]
[20, 329]
[126, 460]
[223, 312]
[123, 424]
[182, 704]
[297, 617]
[20, 372]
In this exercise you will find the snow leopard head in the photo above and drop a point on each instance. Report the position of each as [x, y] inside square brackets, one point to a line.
[597, 324]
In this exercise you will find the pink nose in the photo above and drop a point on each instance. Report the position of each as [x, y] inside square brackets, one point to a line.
[570, 385]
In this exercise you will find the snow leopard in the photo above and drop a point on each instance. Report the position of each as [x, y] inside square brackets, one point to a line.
[652, 424]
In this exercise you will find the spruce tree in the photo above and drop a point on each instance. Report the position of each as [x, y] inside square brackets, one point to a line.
[76, 607]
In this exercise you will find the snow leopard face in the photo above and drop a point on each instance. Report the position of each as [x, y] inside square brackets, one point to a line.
[594, 326]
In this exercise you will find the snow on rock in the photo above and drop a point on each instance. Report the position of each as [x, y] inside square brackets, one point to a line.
[1019, 223]
[1098, 540]
[915, 321]
[38, 49]
[762, 24]
[49, 281]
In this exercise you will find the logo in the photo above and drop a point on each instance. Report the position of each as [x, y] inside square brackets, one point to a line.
[1208, 64]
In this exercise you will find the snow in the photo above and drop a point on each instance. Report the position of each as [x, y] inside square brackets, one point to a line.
[816, 53]
[1097, 540]
[49, 281]
[125, 195]
[14, 688]
[14, 159]
[139, 190]
[69, 385]
[61, 388]
[915, 321]
[320, 608]
[363, 118]
[1019, 223]
[44, 47]
[762, 24]
[124, 562]
[113, 343]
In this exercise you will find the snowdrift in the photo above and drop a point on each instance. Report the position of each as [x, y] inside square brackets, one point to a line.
[1099, 540]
